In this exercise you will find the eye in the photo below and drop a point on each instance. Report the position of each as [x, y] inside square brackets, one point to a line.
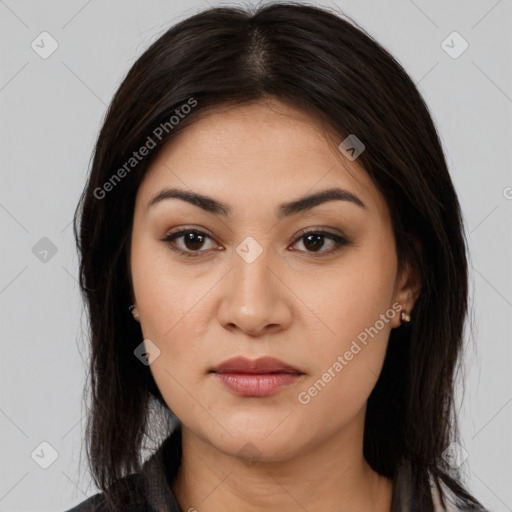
[193, 242]
[314, 241]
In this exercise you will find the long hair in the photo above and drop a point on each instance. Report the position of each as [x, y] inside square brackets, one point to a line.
[321, 63]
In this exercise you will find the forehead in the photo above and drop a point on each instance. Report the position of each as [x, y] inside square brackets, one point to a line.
[267, 150]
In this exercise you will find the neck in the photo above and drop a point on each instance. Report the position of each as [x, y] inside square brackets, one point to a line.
[332, 476]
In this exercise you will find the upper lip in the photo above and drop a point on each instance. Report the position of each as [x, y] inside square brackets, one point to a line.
[261, 365]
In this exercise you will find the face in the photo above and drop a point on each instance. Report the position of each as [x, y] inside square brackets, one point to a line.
[313, 284]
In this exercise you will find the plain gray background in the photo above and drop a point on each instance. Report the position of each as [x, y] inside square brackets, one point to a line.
[51, 112]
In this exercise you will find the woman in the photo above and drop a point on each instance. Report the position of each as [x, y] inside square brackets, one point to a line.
[272, 253]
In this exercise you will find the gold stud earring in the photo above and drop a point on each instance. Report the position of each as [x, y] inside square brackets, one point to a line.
[134, 312]
[405, 317]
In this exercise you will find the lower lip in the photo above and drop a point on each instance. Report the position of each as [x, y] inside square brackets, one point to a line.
[257, 384]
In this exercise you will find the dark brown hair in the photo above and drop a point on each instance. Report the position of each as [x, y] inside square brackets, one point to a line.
[317, 61]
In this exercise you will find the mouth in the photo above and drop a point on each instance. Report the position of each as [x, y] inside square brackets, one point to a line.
[262, 365]
[257, 378]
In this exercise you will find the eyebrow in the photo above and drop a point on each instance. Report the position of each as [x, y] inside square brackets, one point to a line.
[215, 207]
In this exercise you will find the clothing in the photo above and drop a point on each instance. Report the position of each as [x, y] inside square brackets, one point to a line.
[154, 494]
[151, 485]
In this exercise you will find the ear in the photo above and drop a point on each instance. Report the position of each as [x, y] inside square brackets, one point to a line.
[407, 291]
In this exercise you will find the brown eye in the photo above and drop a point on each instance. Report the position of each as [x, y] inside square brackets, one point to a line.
[315, 241]
[192, 242]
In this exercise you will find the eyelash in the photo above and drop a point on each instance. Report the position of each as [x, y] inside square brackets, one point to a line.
[339, 242]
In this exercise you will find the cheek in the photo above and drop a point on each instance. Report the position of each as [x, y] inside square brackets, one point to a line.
[169, 296]
[353, 294]
[347, 365]
[354, 302]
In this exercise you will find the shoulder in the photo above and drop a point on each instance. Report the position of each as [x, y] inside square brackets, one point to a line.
[96, 503]
[146, 491]
[128, 491]
[451, 502]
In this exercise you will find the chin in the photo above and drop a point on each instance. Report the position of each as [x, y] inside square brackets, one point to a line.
[257, 444]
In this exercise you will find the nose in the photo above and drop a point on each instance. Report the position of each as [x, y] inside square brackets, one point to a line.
[254, 299]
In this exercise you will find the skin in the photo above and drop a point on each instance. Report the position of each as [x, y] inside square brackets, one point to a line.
[301, 306]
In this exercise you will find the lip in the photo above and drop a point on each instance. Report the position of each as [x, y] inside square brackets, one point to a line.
[262, 365]
[261, 377]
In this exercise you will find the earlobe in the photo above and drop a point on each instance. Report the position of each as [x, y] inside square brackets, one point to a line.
[404, 316]
[407, 294]
[134, 312]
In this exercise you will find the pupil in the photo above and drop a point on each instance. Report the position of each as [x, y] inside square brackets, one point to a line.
[190, 243]
[317, 241]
